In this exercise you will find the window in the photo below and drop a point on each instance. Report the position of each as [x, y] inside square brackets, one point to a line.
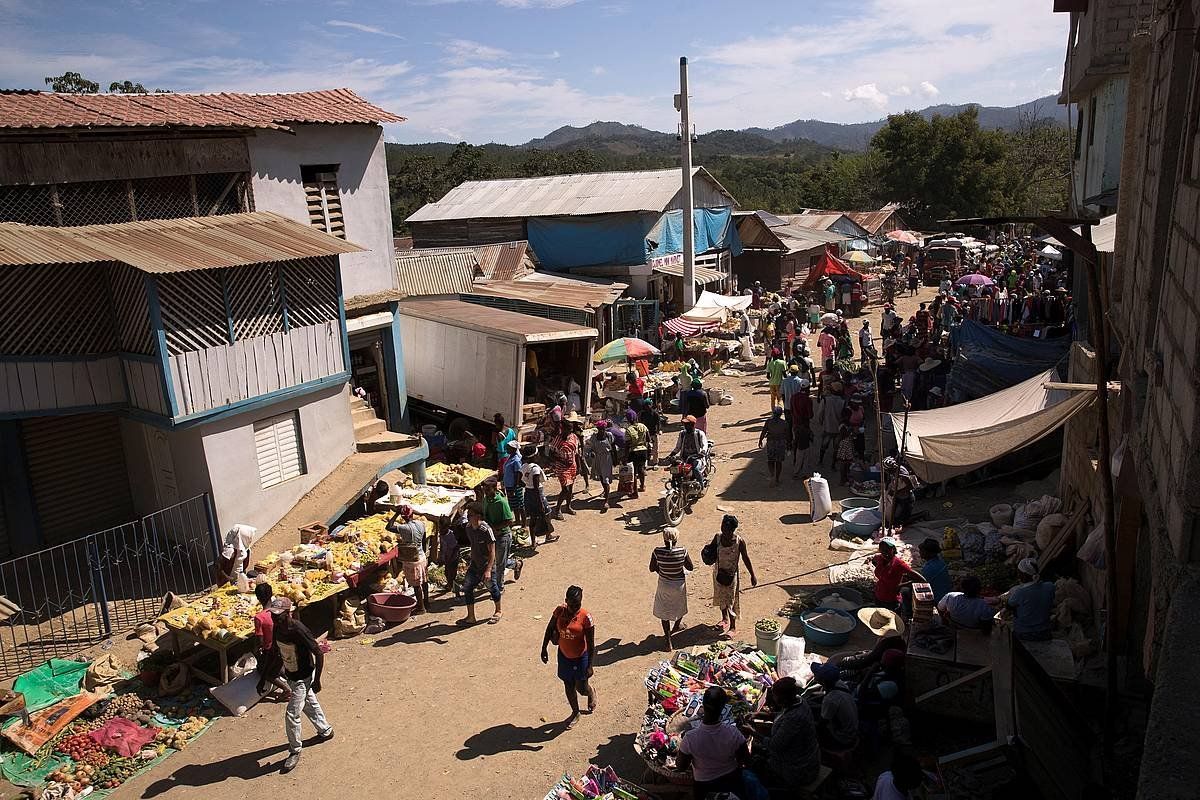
[324, 202]
[277, 446]
[1092, 122]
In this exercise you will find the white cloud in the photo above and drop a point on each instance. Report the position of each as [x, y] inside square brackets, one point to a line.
[826, 94]
[598, 70]
[929, 90]
[537, 3]
[461, 51]
[360, 27]
[901, 91]
[868, 93]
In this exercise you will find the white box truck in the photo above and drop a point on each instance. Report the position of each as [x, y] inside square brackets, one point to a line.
[478, 361]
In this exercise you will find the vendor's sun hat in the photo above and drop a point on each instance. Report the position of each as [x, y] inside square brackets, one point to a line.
[690, 418]
[574, 417]
[929, 363]
[881, 621]
[794, 369]
[512, 445]
[280, 606]
[1027, 566]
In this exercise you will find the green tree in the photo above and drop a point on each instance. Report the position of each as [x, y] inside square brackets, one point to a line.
[72, 82]
[940, 168]
[127, 87]
[1036, 167]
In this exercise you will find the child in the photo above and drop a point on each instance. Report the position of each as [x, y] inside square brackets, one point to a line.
[844, 452]
[269, 663]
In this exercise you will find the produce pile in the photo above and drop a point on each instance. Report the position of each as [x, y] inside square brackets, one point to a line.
[459, 476]
[677, 690]
[79, 761]
[308, 573]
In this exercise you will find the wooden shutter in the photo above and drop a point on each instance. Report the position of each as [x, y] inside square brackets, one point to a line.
[77, 475]
[277, 446]
[325, 203]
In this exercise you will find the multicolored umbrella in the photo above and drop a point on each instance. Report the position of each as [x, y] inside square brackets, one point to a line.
[625, 348]
[858, 257]
[974, 279]
[903, 237]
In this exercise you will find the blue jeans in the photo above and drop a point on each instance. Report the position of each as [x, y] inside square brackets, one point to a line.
[496, 584]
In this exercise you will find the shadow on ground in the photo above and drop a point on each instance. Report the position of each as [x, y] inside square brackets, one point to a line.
[508, 738]
[245, 766]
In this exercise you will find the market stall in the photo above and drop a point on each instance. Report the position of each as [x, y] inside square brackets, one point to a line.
[222, 620]
[597, 783]
[93, 726]
[676, 689]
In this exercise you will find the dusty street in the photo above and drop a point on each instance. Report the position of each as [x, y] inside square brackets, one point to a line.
[432, 710]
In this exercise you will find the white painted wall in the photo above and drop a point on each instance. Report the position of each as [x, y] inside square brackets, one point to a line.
[326, 431]
[275, 160]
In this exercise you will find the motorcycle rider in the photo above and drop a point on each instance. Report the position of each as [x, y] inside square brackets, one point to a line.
[692, 447]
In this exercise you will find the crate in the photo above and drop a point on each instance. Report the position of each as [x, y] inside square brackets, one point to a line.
[311, 531]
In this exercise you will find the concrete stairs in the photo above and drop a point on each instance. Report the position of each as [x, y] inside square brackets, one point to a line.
[370, 432]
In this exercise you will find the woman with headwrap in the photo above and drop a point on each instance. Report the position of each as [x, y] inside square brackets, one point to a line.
[671, 563]
[727, 584]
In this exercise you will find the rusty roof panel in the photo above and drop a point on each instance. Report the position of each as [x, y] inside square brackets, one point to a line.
[434, 271]
[42, 110]
[171, 245]
[505, 261]
[579, 295]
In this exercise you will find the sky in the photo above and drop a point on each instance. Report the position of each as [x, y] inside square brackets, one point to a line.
[511, 70]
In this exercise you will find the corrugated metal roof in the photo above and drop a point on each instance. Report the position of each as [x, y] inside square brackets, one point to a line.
[575, 294]
[795, 238]
[704, 275]
[433, 271]
[821, 221]
[561, 195]
[40, 110]
[172, 245]
[493, 320]
[873, 220]
[505, 261]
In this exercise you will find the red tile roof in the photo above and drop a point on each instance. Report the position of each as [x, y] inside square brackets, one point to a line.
[40, 110]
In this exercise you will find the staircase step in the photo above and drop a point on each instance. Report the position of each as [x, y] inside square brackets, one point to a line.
[362, 413]
[366, 429]
[388, 440]
[358, 402]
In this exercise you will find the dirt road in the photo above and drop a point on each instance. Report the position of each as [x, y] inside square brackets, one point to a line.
[432, 710]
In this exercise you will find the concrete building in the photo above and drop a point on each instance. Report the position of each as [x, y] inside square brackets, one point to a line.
[220, 366]
[1096, 84]
[1148, 55]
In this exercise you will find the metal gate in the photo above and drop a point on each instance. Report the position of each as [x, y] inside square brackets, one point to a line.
[69, 597]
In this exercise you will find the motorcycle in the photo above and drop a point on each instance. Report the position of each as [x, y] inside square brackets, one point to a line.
[684, 487]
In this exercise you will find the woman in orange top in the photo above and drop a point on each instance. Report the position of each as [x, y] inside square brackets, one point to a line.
[572, 629]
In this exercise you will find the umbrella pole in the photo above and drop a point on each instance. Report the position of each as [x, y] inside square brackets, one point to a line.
[879, 440]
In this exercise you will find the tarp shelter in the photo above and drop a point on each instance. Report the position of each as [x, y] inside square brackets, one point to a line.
[830, 266]
[714, 229]
[710, 311]
[945, 442]
[987, 360]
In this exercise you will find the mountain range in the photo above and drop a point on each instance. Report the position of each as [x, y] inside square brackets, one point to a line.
[801, 137]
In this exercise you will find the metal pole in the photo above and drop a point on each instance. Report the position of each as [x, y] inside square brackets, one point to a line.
[879, 440]
[1099, 337]
[689, 202]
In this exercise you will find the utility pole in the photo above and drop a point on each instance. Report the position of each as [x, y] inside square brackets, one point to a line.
[689, 202]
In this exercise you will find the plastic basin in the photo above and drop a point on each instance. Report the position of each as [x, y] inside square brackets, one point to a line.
[391, 606]
[859, 502]
[823, 637]
[861, 521]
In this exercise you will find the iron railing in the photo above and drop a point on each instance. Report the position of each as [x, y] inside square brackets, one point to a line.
[75, 595]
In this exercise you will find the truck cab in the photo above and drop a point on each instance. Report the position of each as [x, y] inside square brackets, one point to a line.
[941, 263]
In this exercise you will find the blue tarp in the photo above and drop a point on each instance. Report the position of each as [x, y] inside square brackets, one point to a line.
[565, 242]
[714, 231]
[988, 360]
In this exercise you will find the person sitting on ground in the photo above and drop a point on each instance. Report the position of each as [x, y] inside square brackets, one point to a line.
[899, 484]
[793, 756]
[837, 728]
[966, 609]
[1031, 603]
[902, 781]
[714, 751]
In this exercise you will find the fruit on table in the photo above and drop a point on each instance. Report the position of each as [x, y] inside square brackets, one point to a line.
[461, 475]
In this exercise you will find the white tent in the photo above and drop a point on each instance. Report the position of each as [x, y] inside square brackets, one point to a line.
[1050, 251]
[945, 442]
[711, 310]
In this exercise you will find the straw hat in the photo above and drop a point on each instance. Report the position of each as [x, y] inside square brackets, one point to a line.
[881, 621]
[575, 418]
